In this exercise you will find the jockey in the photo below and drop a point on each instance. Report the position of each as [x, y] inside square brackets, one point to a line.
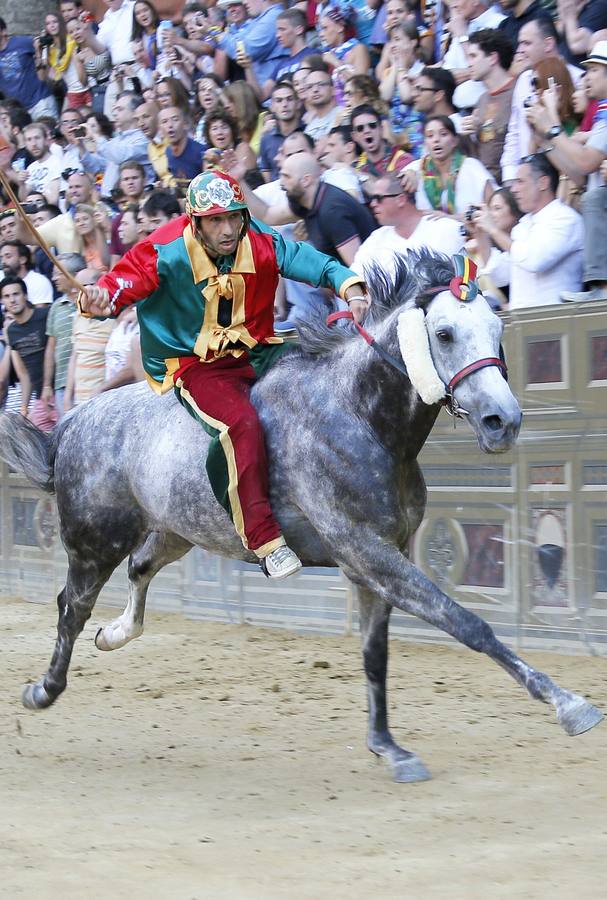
[205, 285]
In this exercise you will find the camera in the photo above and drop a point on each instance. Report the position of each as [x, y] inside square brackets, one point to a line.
[45, 40]
[470, 212]
[79, 131]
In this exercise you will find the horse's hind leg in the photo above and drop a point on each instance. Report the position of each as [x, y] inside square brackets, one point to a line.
[75, 603]
[158, 550]
[374, 616]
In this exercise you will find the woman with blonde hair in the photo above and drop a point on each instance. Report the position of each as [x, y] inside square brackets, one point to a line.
[94, 244]
[241, 101]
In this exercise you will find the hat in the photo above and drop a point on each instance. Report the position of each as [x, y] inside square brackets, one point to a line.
[223, 4]
[213, 193]
[598, 54]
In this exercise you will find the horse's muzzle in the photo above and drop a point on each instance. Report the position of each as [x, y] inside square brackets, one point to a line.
[497, 432]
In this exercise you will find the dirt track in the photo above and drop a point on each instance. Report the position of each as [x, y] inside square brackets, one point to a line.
[210, 761]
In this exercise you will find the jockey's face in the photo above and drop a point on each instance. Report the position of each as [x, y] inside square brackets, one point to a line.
[219, 234]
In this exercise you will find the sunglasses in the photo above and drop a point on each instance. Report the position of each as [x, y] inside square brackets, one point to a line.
[378, 198]
[359, 128]
[419, 89]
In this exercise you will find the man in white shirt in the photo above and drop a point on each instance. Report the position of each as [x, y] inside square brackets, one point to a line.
[577, 161]
[403, 227]
[43, 175]
[115, 31]
[16, 259]
[544, 253]
[538, 40]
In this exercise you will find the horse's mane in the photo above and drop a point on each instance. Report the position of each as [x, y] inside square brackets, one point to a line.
[415, 274]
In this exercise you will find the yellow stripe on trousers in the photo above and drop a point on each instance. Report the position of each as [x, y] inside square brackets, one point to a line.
[228, 449]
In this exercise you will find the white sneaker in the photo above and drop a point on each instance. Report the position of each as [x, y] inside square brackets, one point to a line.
[280, 563]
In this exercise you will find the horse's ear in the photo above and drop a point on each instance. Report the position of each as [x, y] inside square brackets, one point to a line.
[415, 350]
[431, 270]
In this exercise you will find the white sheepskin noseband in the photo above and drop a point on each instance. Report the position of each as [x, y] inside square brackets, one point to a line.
[415, 351]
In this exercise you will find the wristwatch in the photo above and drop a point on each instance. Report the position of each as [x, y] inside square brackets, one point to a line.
[553, 132]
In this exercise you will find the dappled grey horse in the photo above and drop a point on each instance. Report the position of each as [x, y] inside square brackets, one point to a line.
[344, 426]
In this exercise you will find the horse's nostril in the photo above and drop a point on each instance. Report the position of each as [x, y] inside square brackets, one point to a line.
[493, 423]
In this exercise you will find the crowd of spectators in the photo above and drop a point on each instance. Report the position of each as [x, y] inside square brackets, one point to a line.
[365, 127]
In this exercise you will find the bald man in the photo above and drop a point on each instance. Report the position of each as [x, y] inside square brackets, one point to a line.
[336, 223]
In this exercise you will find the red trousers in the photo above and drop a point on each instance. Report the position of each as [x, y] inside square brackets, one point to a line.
[216, 394]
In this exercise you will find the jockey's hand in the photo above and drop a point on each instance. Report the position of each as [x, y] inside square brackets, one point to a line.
[358, 308]
[96, 301]
[358, 301]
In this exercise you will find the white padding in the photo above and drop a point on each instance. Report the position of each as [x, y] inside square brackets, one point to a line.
[415, 351]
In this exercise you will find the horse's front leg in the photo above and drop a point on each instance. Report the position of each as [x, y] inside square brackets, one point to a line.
[386, 572]
[374, 615]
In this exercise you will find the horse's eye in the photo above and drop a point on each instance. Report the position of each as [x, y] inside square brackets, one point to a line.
[444, 335]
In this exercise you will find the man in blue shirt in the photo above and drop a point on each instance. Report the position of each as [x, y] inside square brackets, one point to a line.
[287, 114]
[19, 78]
[257, 40]
[184, 154]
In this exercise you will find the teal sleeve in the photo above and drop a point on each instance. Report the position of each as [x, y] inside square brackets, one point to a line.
[301, 262]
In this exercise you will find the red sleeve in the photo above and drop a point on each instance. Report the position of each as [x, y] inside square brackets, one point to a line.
[134, 277]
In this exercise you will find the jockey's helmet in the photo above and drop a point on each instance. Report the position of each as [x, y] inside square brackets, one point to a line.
[213, 193]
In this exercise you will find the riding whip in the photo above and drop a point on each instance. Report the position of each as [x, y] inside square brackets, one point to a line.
[33, 231]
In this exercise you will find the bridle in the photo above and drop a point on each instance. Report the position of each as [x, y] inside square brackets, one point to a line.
[463, 286]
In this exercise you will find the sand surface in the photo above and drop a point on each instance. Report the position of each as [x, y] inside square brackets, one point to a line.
[213, 761]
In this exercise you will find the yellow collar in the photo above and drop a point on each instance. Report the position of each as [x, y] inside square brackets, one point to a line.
[202, 265]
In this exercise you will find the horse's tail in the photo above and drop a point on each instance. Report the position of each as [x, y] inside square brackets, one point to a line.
[28, 450]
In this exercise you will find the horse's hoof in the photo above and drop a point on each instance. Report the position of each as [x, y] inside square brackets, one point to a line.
[34, 696]
[115, 636]
[100, 641]
[577, 715]
[410, 770]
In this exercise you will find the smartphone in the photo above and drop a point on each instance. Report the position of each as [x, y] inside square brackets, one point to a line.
[551, 82]
[241, 50]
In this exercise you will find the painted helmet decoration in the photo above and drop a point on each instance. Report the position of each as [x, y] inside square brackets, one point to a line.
[213, 193]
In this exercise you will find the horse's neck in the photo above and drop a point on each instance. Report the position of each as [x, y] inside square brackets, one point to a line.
[386, 400]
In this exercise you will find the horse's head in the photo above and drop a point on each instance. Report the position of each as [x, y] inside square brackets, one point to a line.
[451, 347]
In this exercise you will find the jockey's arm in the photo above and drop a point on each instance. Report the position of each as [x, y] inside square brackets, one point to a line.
[133, 278]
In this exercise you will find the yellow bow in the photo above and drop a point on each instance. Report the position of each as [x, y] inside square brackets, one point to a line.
[215, 337]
